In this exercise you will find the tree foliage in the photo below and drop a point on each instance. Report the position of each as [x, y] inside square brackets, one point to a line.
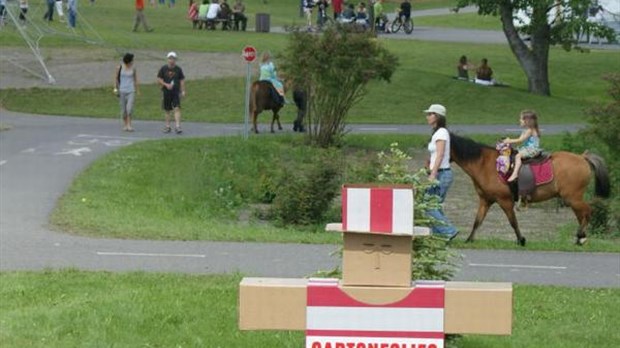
[334, 69]
[602, 136]
[550, 22]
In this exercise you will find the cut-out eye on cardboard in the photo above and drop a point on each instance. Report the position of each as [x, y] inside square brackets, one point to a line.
[369, 248]
[386, 249]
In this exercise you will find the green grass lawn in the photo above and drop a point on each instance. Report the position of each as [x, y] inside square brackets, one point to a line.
[213, 189]
[424, 76]
[69, 308]
[460, 20]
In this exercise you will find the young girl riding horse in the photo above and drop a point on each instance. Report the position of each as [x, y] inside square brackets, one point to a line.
[530, 138]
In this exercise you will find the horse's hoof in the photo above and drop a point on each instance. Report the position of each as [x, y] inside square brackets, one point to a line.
[521, 241]
[279, 128]
[469, 240]
[581, 241]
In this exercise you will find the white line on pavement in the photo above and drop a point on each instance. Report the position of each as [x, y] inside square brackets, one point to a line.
[109, 137]
[378, 129]
[3, 162]
[514, 266]
[112, 253]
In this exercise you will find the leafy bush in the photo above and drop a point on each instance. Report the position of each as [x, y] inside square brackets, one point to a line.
[304, 200]
[334, 68]
[600, 219]
[602, 136]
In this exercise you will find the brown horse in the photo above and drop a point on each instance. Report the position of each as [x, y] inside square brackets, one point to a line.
[571, 172]
[261, 99]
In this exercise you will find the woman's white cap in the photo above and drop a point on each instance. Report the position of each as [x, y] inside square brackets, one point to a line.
[172, 54]
[437, 109]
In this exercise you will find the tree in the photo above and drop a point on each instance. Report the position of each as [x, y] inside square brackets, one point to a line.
[551, 22]
[333, 69]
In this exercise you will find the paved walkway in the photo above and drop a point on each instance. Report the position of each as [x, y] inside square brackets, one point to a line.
[460, 35]
[41, 154]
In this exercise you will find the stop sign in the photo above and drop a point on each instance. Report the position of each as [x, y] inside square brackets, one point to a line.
[249, 54]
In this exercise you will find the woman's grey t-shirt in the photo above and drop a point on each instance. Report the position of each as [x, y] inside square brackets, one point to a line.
[126, 84]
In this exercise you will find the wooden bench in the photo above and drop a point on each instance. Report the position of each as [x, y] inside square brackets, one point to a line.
[212, 23]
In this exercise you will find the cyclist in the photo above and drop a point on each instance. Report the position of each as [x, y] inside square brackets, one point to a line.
[405, 10]
[322, 12]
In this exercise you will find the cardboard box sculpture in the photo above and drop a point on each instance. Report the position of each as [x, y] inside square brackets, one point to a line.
[375, 304]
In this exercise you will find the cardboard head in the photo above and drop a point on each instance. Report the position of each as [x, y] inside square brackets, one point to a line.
[376, 260]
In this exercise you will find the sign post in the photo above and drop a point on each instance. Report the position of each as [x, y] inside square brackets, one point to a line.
[249, 55]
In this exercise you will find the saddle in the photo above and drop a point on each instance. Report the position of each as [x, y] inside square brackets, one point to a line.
[534, 171]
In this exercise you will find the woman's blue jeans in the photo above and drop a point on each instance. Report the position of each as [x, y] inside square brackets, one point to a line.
[444, 227]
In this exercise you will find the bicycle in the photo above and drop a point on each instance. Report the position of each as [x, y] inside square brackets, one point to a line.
[402, 22]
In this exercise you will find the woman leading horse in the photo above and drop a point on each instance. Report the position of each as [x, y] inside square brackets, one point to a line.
[571, 172]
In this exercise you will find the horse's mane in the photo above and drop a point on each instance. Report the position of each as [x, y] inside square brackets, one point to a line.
[465, 149]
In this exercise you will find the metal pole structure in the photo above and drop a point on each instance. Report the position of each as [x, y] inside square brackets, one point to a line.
[34, 48]
[247, 102]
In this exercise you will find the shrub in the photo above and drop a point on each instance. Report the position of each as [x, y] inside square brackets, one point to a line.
[600, 218]
[602, 136]
[334, 68]
[304, 200]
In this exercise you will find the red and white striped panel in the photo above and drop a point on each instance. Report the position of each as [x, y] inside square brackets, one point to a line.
[377, 210]
[334, 319]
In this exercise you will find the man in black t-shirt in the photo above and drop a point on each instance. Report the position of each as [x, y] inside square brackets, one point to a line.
[172, 82]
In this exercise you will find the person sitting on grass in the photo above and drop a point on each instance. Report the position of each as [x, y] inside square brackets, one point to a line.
[348, 15]
[484, 74]
[362, 15]
[463, 68]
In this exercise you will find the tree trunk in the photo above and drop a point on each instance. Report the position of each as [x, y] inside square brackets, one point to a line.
[534, 60]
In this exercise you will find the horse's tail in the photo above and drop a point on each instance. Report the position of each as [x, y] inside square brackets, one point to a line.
[602, 187]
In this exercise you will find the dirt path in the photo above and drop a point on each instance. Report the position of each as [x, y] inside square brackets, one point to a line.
[79, 68]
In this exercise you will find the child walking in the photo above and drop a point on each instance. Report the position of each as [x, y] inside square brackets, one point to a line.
[23, 11]
[530, 138]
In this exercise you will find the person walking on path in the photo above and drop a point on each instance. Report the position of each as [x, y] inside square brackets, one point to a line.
[61, 14]
[72, 6]
[439, 167]
[126, 82]
[49, 14]
[140, 18]
[172, 82]
[23, 11]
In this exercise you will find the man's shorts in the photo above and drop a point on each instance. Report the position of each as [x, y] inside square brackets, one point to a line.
[171, 101]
